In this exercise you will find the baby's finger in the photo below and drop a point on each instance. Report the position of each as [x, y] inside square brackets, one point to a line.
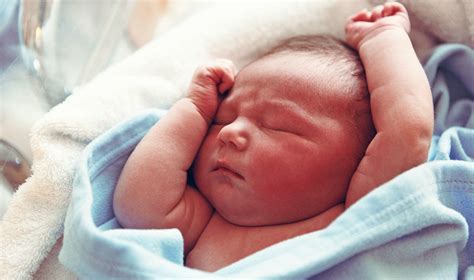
[377, 13]
[388, 10]
[356, 27]
[395, 8]
[226, 84]
[363, 15]
[355, 32]
[227, 77]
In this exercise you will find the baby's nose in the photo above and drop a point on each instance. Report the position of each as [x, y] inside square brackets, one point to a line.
[235, 135]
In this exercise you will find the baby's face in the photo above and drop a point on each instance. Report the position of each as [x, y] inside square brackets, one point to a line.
[280, 149]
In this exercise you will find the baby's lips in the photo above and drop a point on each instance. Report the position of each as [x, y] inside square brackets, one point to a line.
[223, 165]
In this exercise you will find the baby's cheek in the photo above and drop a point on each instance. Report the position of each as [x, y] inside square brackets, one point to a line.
[269, 171]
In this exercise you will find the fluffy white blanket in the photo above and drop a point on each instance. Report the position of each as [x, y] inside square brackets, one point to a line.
[156, 76]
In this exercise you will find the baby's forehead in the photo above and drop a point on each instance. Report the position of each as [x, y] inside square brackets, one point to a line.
[289, 77]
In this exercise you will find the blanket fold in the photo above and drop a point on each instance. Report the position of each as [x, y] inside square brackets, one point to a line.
[450, 71]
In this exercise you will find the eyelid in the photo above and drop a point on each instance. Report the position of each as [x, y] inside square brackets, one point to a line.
[265, 123]
[277, 129]
[292, 124]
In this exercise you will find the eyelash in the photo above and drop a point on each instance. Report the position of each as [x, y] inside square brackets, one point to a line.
[268, 127]
[276, 130]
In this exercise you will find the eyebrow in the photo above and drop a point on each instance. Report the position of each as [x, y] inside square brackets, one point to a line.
[289, 107]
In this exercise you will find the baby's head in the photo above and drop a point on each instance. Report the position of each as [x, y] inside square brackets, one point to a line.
[288, 136]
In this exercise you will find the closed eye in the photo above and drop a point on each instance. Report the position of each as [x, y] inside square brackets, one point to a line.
[280, 130]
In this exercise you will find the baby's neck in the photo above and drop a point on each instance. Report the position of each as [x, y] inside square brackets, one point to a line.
[223, 243]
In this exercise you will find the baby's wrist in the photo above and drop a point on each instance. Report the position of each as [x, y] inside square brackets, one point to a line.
[201, 112]
[381, 35]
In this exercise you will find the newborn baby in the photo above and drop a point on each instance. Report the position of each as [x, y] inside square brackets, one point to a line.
[284, 147]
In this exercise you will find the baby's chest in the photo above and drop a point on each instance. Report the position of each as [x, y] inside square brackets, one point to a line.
[222, 243]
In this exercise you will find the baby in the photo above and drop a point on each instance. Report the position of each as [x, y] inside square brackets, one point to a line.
[284, 147]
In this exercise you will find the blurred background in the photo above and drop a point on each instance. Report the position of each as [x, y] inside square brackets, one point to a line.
[49, 47]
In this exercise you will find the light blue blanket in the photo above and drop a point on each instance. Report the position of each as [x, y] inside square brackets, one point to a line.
[414, 226]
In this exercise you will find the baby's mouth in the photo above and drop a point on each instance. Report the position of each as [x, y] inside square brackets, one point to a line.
[225, 169]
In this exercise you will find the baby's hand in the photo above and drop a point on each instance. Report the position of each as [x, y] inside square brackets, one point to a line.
[208, 82]
[365, 25]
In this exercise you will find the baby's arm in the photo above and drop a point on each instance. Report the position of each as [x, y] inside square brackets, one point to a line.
[152, 190]
[400, 97]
